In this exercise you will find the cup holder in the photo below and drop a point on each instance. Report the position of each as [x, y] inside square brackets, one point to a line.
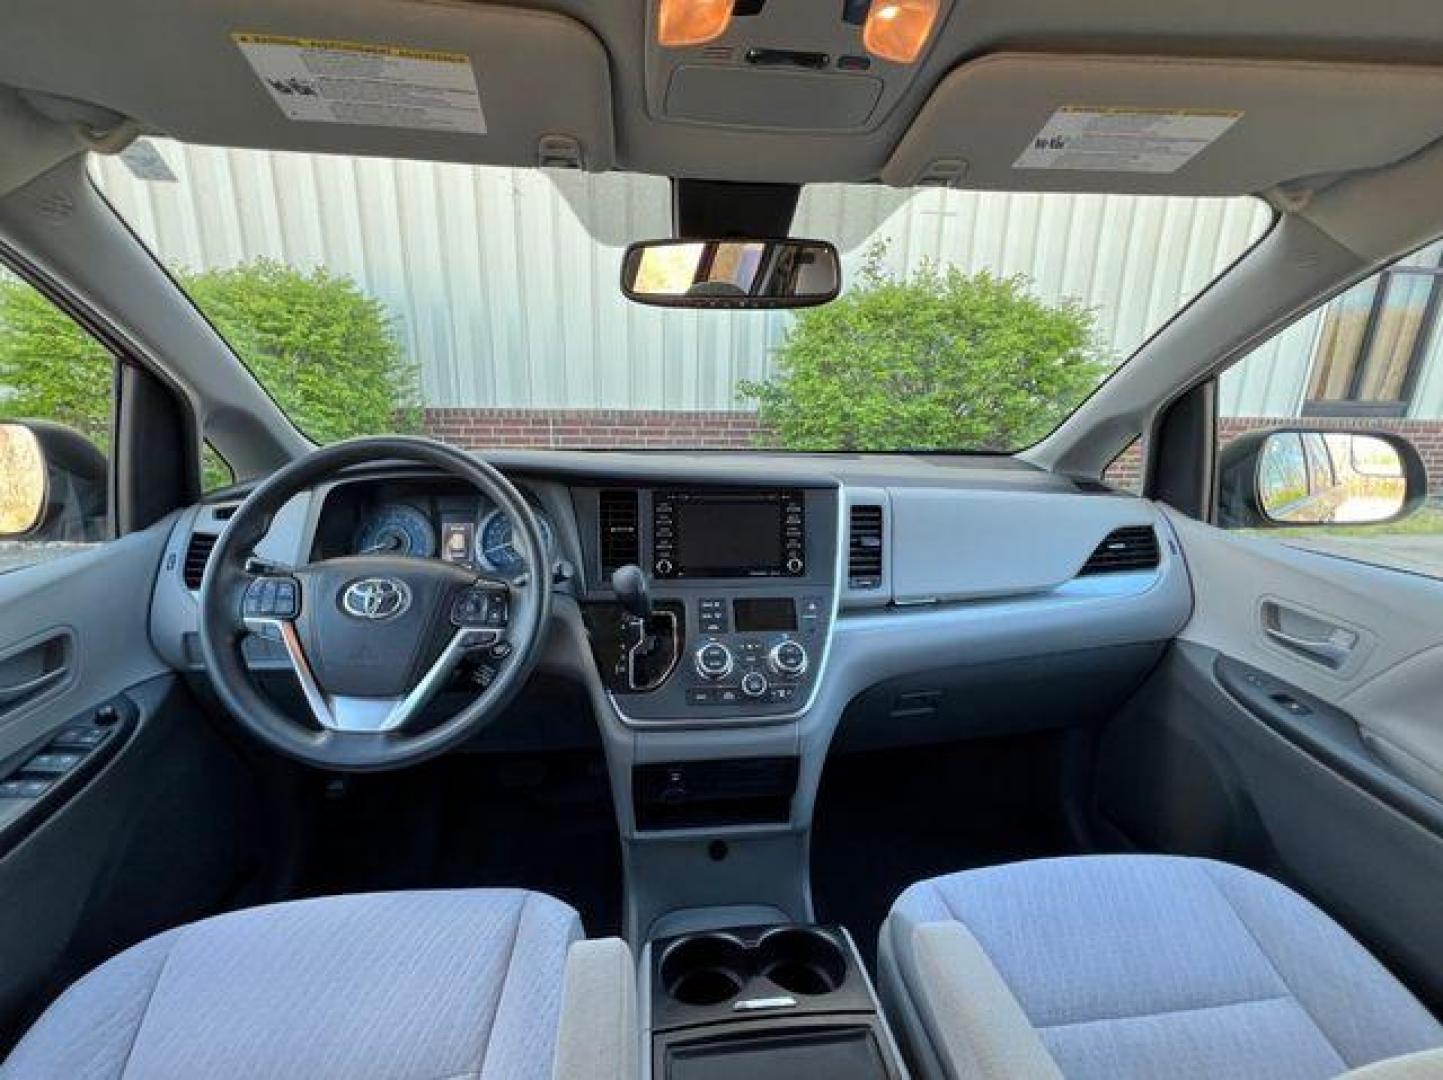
[705, 969]
[802, 960]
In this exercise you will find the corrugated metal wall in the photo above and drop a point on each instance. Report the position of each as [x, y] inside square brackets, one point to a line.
[500, 292]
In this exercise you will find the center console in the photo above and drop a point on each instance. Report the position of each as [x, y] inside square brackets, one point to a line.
[765, 1003]
[743, 589]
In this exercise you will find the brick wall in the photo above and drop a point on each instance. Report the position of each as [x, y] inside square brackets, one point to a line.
[1426, 435]
[594, 428]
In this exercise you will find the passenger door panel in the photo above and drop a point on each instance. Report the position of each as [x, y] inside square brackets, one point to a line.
[1366, 639]
[1296, 727]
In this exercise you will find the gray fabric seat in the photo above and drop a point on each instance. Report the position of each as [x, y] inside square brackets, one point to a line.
[438, 985]
[1135, 966]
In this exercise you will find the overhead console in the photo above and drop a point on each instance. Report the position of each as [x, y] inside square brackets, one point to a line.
[741, 587]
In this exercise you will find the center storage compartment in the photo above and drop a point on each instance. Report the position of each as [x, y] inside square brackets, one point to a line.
[693, 794]
[824, 1053]
[765, 1002]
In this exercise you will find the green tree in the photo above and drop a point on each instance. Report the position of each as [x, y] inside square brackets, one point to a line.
[940, 360]
[49, 368]
[326, 351]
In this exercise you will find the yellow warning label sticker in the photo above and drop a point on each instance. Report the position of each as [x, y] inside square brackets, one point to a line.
[318, 80]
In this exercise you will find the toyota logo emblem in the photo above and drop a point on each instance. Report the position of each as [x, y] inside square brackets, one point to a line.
[376, 598]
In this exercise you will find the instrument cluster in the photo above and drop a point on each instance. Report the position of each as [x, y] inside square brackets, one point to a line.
[457, 528]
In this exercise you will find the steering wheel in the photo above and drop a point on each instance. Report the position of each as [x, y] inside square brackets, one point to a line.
[372, 638]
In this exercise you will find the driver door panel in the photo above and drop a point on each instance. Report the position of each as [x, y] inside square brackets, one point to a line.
[155, 826]
[75, 629]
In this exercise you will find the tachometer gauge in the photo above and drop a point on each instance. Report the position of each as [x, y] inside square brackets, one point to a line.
[495, 548]
[397, 529]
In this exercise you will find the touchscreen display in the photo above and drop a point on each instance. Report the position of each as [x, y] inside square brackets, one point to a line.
[720, 536]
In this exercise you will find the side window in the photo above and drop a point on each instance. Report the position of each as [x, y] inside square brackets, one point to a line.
[1349, 382]
[1125, 472]
[57, 387]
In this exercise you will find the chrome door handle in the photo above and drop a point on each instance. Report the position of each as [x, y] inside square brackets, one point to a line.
[1325, 651]
[31, 687]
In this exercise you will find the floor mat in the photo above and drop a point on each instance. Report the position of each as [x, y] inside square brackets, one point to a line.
[537, 821]
[885, 819]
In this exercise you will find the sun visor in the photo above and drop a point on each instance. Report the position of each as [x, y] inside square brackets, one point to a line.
[455, 82]
[1163, 125]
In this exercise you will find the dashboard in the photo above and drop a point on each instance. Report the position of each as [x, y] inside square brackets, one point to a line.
[915, 598]
[781, 588]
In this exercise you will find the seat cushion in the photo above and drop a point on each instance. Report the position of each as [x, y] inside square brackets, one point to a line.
[1140, 966]
[426, 985]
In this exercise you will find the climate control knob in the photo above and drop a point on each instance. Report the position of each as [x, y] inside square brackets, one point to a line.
[788, 658]
[754, 684]
[713, 661]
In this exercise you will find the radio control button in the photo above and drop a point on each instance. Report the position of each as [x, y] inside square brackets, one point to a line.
[664, 567]
[794, 565]
[754, 684]
[713, 661]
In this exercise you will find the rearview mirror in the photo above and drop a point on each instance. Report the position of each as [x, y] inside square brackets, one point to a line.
[731, 273]
[1281, 478]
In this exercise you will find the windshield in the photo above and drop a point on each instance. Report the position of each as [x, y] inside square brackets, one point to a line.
[482, 305]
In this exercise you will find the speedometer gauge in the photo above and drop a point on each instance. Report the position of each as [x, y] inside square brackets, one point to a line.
[397, 529]
[495, 543]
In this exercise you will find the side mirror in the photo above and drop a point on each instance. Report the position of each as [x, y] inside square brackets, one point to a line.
[52, 483]
[1283, 478]
[735, 274]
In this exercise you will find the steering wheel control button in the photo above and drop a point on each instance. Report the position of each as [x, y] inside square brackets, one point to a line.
[469, 608]
[754, 684]
[481, 606]
[788, 658]
[713, 661]
[479, 639]
[272, 598]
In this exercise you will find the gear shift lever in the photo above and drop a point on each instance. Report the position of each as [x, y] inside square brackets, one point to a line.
[632, 592]
[654, 635]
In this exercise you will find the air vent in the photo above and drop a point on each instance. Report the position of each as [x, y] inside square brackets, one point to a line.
[620, 541]
[864, 548]
[1132, 548]
[196, 556]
